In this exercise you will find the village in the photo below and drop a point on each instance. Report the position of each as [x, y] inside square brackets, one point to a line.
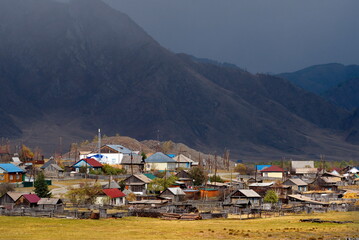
[114, 182]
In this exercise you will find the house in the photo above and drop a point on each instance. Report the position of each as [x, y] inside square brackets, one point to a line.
[300, 165]
[297, 198]
[51, 168]
[137, 183]
[160, 161]
[8, 199]
[110, 154]
[132, 163]
[325, 182]
[175, 194]
[272, 172]
[111, 196]
[51, 204]
[261, 167]
[245, 194]
[27, 201]
[183, 161]
[10, 173]
[88, 163]
[185, 177]
[297, 184]
[261, 188]
[306, 172]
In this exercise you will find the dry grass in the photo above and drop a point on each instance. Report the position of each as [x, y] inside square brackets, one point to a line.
[287, 227]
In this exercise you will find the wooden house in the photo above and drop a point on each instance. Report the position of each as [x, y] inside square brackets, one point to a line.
[272, 172]
[325, 183]
[27, 201]
[88, 163]
[160, 161]
[245, 194]
[261, 188]
[183, 161]
[111, 196]
[51, 204]
[137, 183]
[185, 177]
[8, 199]
[10, 173]
[132, 163]
[173, 194]
[208, 193]
[297, 185]
[51, 168]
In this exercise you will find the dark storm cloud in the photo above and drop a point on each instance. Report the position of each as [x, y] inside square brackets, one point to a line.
[264, 36]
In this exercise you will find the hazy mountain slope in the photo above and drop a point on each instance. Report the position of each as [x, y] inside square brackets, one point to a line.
[69, 69]
[321, 78]
[345, 94]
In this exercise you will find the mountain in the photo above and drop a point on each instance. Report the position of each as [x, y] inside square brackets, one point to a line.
[345, 94]
[67, 69]
[321, 78]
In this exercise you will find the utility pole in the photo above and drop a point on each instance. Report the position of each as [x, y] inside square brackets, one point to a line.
[215, 168]
[99, 142]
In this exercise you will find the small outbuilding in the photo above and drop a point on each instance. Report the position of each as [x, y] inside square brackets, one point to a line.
[175, 194]
[51, 204]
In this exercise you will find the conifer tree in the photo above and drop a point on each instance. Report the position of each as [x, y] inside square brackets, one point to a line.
[41, 188]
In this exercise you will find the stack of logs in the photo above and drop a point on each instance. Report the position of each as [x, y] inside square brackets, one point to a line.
[185, 216]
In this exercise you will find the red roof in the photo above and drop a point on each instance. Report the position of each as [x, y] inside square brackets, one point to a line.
[272, 168]
[92, 162]
[113, 192]
[32, 198]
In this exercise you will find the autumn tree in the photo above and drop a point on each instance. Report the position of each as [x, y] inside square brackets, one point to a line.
[26, 153]
[271, 197]
[199, 176]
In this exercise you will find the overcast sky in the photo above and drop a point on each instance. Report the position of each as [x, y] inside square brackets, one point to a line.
[258, 35]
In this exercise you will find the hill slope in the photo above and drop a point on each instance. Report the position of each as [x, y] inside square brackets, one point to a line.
[70, 68]
[321, 78]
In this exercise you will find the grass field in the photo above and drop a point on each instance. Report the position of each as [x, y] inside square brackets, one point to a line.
[287, 227]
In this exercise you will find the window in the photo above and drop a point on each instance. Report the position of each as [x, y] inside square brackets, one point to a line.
[2, 178]
[11, 177]
[17, 177]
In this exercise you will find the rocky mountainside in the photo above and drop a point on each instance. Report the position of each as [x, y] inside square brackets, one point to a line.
[67, 69]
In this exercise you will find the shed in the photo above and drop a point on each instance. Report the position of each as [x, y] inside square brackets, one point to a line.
[8, 199]
[51, 204]
[245, 194]
[175, 194]
[27, 200]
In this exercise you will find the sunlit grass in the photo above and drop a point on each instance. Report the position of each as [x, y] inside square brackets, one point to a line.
[287, 227]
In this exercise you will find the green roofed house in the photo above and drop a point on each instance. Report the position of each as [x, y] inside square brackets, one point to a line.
[160, 161]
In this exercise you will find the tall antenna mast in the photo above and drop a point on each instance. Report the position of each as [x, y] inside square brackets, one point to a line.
[99, 141]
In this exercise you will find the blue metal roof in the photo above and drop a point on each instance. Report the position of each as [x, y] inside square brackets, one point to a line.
[120, 149]
[10, 168]
[171, 155]
[261, 167]
[159, 157]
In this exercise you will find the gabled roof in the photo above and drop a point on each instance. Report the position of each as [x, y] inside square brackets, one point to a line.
[268, 184]
[159, 157]
[113, 192]
[273, 169]
[298, 181]
[10, 168]
[119, 148]
[14, 195]
[90, 161]
[32, 198]
[49, 201]
[136, 159]
[176, 191]
[249, 193]
[182, 158]
[306, 170]
[141, 177]
[48, 163]
[261, 167]
[112, 184]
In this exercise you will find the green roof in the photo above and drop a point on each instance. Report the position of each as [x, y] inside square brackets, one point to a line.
[150, 176]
